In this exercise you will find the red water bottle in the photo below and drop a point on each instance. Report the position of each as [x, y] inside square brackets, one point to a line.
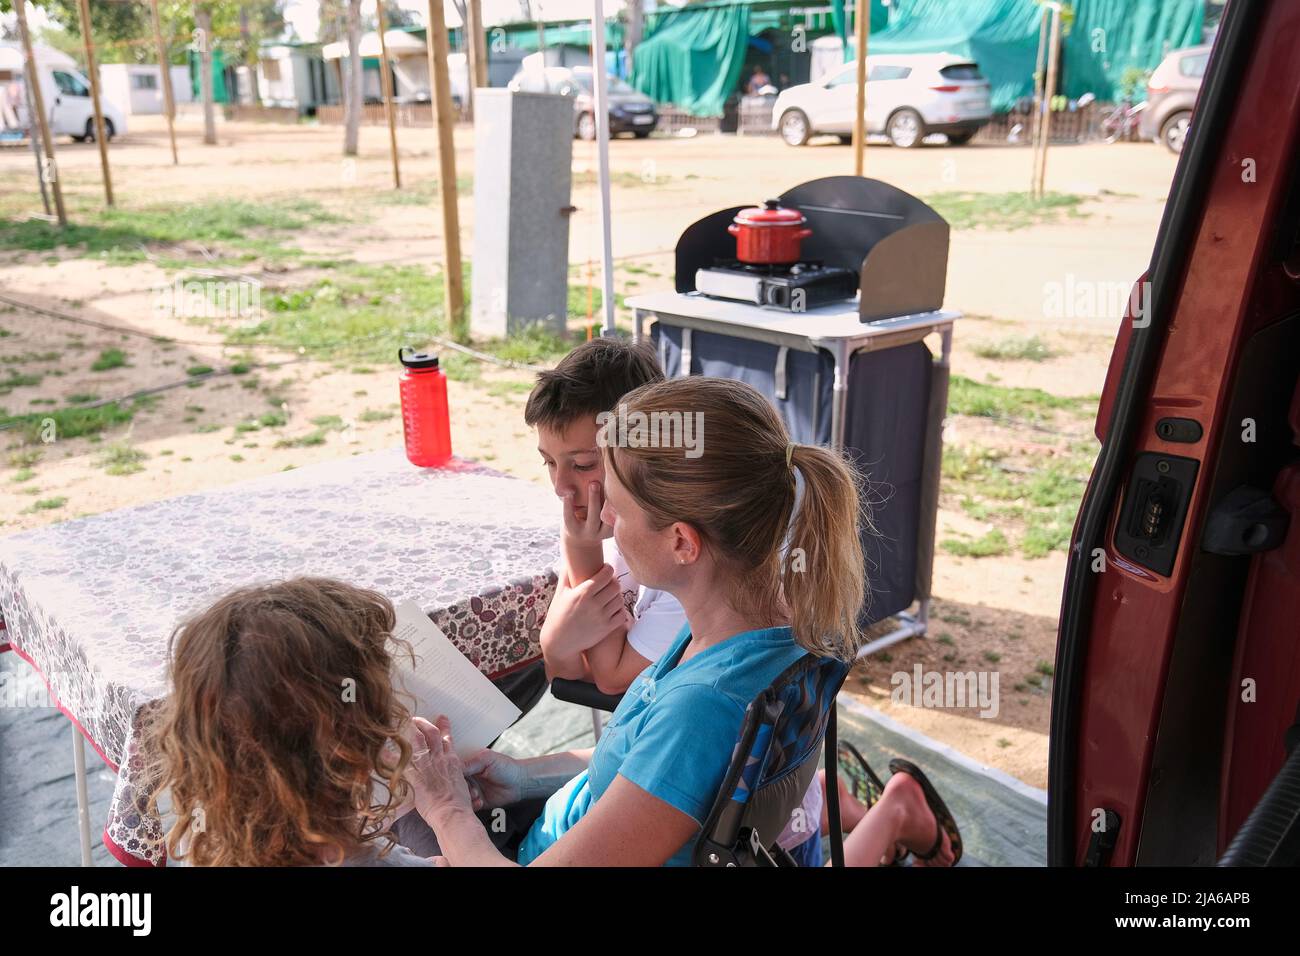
[425, 419]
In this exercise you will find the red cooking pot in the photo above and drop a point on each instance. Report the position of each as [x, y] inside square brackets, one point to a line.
[769, 234]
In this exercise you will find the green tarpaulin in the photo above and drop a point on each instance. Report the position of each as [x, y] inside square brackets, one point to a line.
[845, 29]
[1107, 37]
[1112, 36]
[693, 58]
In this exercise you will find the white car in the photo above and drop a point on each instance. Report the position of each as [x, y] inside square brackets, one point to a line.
[908, 98]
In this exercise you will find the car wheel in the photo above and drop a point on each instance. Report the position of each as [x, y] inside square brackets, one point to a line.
[906, 129]
[587, 126]
[846, 139]
[959, 139]
[1174, 132]
[794, 127]
[109, 131]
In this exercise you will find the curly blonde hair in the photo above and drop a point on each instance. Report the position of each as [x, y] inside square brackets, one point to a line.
[281, 722]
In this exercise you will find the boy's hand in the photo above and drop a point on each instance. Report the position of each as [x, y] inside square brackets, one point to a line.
[585, 614]
[495, 779]
[586, 529]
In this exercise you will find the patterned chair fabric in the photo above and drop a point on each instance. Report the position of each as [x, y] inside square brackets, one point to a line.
[773, 764]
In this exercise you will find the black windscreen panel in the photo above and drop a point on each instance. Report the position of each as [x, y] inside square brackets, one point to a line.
[889, 393]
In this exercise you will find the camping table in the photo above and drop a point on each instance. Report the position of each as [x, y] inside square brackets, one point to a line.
[91, 603]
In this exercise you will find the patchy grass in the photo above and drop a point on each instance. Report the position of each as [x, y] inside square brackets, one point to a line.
[363, 314]
[991, 545]
[375, 415]
[1003, 211]
[108, 359]
[18, 380]
[121, 459]
[981, 399]
[46, 504]
[304, 441]
[124, 235]
[70, 422]
[1016, 349]
[1038, 504]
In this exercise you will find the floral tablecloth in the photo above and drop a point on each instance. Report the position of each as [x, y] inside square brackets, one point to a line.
[91, 603]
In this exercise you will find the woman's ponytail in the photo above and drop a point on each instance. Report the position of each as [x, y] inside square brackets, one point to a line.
[822, 574]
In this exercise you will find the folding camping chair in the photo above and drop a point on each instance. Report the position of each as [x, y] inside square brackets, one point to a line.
[773, 765]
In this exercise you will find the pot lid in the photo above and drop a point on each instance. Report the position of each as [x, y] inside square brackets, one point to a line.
[771, 213]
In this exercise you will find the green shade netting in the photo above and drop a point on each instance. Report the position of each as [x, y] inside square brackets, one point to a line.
[1107, 37]
[1111, 36]
[693, 58]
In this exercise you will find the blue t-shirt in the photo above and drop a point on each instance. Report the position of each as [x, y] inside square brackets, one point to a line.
[673, 732]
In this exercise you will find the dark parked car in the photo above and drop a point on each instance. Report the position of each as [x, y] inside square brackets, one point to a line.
[1171, 94]
[630, 111]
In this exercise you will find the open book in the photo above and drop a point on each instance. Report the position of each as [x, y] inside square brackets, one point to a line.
[444, 681]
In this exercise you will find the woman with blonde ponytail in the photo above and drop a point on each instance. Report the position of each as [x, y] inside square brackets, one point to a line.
[757, 538]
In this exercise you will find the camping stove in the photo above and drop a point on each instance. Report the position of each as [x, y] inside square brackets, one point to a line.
[797, 287]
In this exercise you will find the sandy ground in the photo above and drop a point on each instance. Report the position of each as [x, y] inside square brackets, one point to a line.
[996, 614]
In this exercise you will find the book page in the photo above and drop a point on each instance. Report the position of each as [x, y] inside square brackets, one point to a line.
[444, 681]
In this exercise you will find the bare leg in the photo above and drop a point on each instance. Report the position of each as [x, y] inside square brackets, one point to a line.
[900, 818]
[851, 810]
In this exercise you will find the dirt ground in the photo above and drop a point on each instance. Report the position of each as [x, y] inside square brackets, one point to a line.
[993, 613]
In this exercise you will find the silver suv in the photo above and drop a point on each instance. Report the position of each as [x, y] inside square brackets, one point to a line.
[1171, 94]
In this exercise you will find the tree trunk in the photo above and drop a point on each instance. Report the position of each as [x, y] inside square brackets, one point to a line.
[203, 21]
[353, 97]
[250, 58]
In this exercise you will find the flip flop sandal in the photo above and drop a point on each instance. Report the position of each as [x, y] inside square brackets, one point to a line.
[943, 817]
[863, 783]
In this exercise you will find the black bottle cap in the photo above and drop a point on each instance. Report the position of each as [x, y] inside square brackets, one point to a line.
[416, 359]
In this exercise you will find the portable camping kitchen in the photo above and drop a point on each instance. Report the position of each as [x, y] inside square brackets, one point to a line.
[854, 375]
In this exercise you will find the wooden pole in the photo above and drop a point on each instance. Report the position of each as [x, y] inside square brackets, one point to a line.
[454, 285]
[51, 171]
[861, 22]
[1049, 93]
[468, 28]
[165, 67]
[1036, 119]
[37, 153]
[92, 73]
[386, 81]
[479, 45]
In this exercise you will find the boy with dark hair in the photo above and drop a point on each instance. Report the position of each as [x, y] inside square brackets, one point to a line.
[602, 625]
